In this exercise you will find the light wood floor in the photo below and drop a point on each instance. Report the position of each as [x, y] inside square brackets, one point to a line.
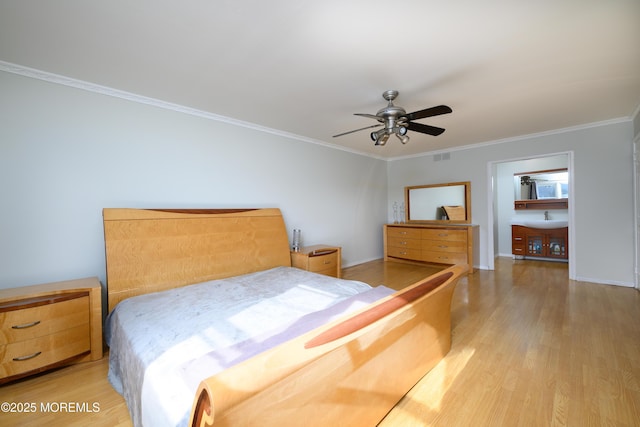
[530, 348]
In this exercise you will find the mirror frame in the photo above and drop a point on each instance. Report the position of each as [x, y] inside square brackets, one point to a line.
[467, 202]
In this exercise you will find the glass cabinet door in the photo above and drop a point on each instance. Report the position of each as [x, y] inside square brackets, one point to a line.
[557, 247]
[535, 245]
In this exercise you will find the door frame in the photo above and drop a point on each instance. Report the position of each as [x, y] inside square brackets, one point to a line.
[491, 229]
[636, 208]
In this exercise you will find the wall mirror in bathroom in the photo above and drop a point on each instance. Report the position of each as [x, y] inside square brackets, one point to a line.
[447, 203]
[544, 189]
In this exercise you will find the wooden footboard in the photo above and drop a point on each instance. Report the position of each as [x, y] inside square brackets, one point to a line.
[349, 372]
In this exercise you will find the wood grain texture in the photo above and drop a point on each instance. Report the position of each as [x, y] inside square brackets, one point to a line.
[353, 377]
[322, 259]
[49, 325]
[529, 348]
[533, 348]
[433, 243]
[154, 250]
[32, 322]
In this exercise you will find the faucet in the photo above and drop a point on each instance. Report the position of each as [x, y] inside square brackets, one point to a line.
[546, 215]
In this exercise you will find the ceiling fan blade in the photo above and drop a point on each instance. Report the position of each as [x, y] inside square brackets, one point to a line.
[429, 130]
[429, 112]
[357, 130]
[371, 116]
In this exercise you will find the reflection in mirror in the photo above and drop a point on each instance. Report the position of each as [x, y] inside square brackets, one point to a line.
[549, 184]
[443, 203]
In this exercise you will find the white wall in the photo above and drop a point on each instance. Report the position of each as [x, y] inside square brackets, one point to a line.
[66, 153]
[603, 178]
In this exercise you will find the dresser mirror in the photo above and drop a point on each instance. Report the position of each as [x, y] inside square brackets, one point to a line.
[447, 203]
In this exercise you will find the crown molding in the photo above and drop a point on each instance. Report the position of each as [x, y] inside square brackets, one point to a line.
[116, 93]
[517, 138]
[104, 90]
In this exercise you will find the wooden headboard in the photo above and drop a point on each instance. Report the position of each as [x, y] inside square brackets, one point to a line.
[149, 250]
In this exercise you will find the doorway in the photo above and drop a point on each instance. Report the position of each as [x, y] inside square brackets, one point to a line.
[636, 201]
[501, 193]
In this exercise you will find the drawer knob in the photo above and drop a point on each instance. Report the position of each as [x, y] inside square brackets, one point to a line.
[26, 325]
[23, 358]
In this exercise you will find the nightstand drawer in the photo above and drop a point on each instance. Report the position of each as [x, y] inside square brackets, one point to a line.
[321, 259]
[319, 263]
[36, 353]
[49, 325]
[35, 321]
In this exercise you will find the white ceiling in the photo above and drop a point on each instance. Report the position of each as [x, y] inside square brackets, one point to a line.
[506, 68]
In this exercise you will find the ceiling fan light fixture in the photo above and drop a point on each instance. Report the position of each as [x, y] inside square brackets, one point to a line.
[403, 138]
[380, 137]
[384, 139]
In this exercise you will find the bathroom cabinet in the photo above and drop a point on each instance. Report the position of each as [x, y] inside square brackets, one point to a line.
[541, 243]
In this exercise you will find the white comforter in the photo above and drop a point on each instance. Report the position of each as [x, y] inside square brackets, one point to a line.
[163, 344]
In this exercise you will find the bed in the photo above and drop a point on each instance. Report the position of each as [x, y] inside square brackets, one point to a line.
[210, 325]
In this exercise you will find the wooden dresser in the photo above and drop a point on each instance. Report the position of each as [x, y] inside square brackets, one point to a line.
[321, 259]
[438, 244]
[49, 325]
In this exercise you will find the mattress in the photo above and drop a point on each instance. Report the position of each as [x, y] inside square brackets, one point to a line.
[163, 344]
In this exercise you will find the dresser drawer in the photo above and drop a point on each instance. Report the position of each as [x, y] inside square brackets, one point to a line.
[444, 257]
[323, 263]
[36, 353]
[445, 234]
[453, 246]
[403, 232]
[421, 243]
[403, 242]
[405, 253]
[21, 324]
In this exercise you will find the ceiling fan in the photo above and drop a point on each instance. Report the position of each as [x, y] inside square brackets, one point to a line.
[397, 121]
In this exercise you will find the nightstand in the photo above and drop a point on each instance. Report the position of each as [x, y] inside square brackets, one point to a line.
[50, 325]
[321, 259]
